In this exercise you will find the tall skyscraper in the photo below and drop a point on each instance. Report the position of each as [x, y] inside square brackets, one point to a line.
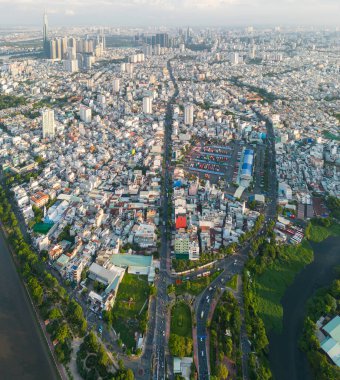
[147, 104]
[188, 114]
[46, 44]
[48, 123]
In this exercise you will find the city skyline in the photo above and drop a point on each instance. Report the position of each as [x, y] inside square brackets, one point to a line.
[171, 12]
[170, 189]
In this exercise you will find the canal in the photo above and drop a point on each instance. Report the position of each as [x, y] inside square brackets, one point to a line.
[286, 360]
[24, 353]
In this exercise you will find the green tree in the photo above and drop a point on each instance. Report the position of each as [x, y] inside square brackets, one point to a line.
[55, 313]
[62, 333]
[222, 372]
[36, 290]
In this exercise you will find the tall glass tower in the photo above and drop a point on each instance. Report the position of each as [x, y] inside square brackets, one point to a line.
[46, 43]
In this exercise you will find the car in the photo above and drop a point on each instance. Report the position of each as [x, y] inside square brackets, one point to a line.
[202, 353]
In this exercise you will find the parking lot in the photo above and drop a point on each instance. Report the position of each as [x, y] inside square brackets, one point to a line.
[215, 162]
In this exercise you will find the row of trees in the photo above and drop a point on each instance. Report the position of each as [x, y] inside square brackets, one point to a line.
[18, 179]
[65, 315]
[324, 302]
[225, 336]
[183, 265]
[254, 231]
[267, 253]
[333, 203]
[180, 346]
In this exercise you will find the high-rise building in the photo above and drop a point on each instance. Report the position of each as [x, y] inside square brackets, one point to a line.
[188, 114]
[116, 85]
[157, 49]
[147, 104]
[234, 58]
[72, 42]
[88, 61]
[129, 68]
[252, 52]
[63, 47]
[46, 43]
[71, 53]
[162, 39]
[147, 50]
[85, 114]
[52, 49]
[58, 46]
[48, 123]
[71, 65]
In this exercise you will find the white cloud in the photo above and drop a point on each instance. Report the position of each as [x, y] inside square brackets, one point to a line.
[174, 12]
[69, 12]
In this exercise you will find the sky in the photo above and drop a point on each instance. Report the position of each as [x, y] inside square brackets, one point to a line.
[171, 12]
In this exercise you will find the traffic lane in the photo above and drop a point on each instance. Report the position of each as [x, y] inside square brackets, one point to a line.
[204, 307]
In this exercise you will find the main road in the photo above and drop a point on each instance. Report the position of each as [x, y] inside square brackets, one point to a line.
[234, 265]
[161, 356]
[24, 353]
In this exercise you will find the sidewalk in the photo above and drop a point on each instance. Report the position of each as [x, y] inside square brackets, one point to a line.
[73, 363]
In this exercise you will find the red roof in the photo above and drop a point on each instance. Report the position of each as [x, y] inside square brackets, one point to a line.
[181, 222]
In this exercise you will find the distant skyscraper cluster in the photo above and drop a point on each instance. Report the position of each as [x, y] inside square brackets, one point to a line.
[161, 39]
[76, 53]
[155, 44]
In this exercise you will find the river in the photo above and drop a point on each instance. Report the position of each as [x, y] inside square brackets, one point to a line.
[286, 360]
[24, 353]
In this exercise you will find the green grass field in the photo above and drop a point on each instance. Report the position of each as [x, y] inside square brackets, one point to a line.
[181, 320]
[133, 291]
[232, 283]
[196, 286]
[320, 233]
[271, 285]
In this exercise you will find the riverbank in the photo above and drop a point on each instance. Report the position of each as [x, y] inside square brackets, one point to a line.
[322, 304]
[271, 285]
[317, 232]
[286, 360]
[23, 351]
[48, 299]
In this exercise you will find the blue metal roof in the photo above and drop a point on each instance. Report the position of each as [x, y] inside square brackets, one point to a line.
[248, 159]
[246, 166]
